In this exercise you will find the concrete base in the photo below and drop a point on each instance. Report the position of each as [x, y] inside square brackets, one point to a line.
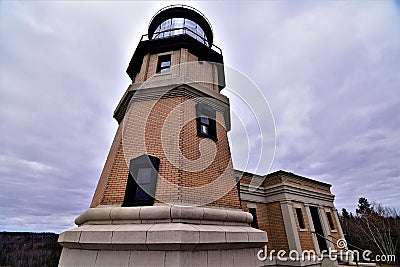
[162, 236]
[81, 257]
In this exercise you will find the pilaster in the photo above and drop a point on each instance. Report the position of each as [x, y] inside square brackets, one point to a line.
[290, 226]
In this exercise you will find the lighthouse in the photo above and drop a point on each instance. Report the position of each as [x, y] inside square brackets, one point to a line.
[167, 195]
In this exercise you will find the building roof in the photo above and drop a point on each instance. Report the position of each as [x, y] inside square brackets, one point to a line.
[284, 174]
[293, 175]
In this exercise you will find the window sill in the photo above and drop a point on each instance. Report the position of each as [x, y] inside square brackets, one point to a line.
[162, 74]
[303, 230]
[214, 138]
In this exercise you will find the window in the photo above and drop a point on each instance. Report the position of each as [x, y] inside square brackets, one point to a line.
[330, 221]
[254, 223]
[206, 125]
[164, 64]
[177, 23]
[191, 26]
[142, 180]
[299, 214]
[178, 26]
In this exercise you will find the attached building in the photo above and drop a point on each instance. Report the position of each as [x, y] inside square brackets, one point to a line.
[296, 212]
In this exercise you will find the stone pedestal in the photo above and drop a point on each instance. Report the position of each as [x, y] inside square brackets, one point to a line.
[162, 236]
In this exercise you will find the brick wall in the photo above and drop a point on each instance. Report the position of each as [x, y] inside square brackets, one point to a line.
[269, 181]
[305, 235]
[181, 180]
[309, 185]
[116, 183]
[274, 226]
[168, 130]
[194, 71]
[335, 234]
[270, 220]
[116, 148]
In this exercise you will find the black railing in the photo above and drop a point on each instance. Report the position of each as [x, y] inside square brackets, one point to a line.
[348, 245]
[185, 31]
[327, 239]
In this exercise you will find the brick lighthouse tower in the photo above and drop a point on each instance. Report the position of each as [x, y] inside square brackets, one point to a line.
[167, 195]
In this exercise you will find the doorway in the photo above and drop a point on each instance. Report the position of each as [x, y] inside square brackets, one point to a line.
[318, 229]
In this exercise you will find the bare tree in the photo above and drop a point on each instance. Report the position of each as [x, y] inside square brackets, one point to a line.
[381, 226]
[374, 227]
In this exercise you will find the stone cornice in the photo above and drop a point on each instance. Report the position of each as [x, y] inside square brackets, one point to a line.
[162, 214]
[173, 87]
[295, 190]
[282, 192]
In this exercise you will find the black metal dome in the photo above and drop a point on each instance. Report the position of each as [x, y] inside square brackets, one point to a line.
[204, 31]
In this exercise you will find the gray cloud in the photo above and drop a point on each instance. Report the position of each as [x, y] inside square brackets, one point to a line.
[328, 70]
[329, 73]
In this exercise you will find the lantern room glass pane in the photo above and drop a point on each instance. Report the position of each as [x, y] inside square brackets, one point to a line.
[178, 23]
[178, 26]
[190, 24]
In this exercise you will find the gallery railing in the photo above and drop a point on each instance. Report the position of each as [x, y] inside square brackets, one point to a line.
[181, 31]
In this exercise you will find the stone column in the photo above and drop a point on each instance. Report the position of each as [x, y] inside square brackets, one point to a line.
[339, 226]
[290, 226]
[325, 227]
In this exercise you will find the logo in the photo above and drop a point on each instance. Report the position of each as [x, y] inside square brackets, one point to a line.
[343, 254]
[341, 243]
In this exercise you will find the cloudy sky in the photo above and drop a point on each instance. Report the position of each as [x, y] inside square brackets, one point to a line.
[329, 70]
